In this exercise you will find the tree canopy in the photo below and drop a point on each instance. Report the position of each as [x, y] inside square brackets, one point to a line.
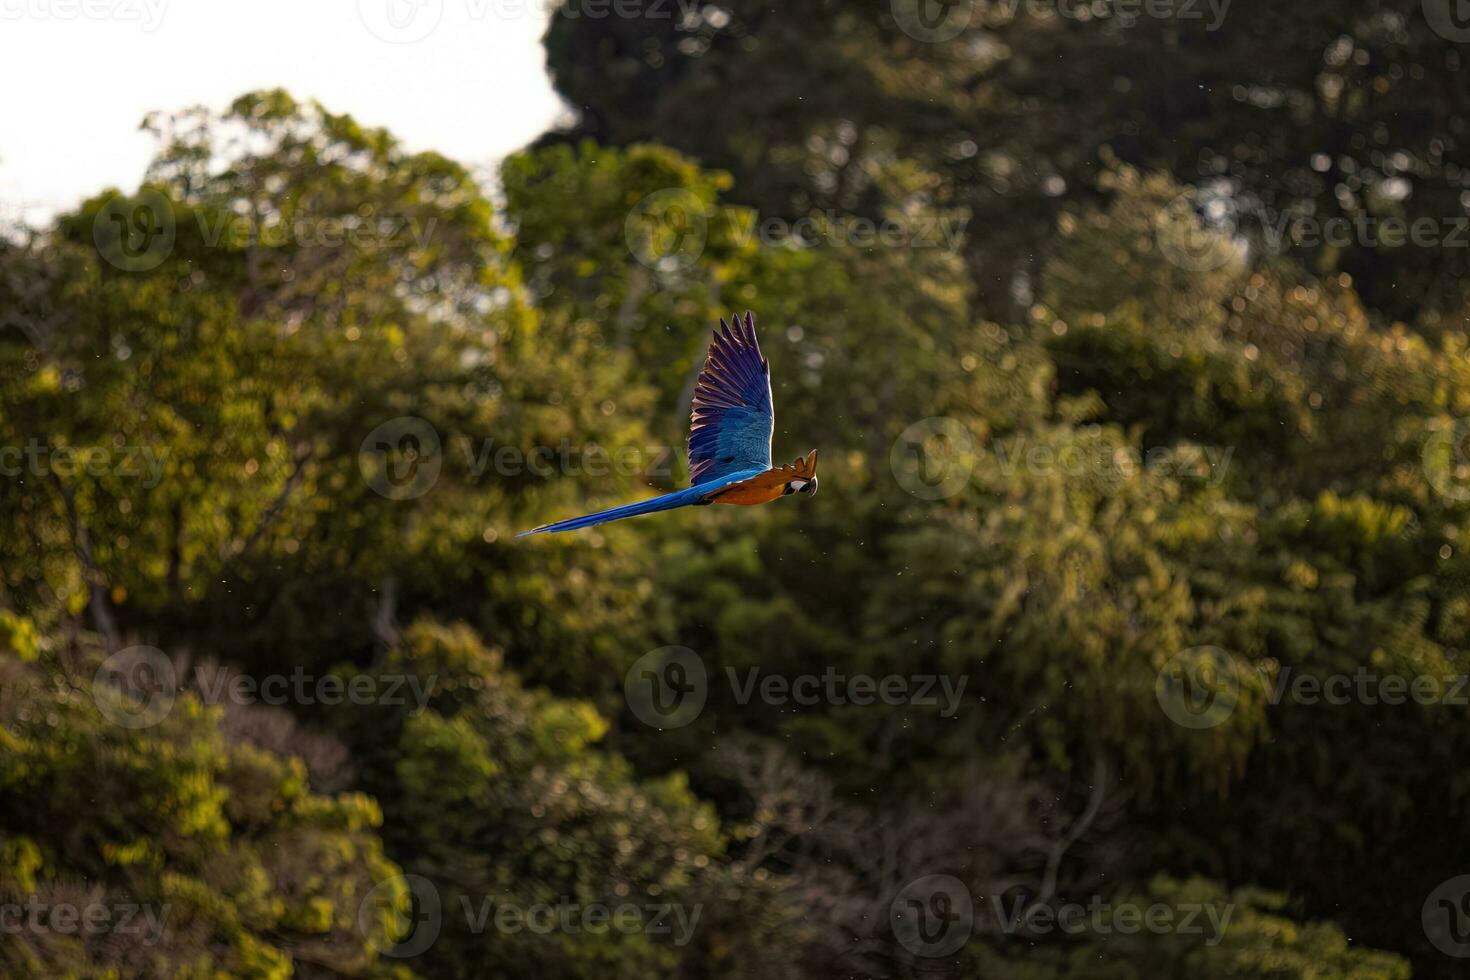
[1125, 481]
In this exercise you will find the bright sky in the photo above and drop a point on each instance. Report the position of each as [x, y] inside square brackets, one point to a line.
[464, 77]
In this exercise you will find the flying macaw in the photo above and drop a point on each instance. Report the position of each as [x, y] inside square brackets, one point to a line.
[729, 437]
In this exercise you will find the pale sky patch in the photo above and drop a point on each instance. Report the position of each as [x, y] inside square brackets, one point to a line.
[464, 77]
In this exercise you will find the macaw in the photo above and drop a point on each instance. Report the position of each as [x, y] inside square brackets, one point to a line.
[730, 429]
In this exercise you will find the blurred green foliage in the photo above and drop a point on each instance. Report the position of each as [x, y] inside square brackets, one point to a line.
[210, 856]
[1094, 434]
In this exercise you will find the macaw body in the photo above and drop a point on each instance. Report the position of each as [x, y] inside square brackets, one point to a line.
[732, 421]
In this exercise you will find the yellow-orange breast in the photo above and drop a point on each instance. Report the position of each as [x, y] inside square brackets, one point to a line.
[757, 490]
[767, 486]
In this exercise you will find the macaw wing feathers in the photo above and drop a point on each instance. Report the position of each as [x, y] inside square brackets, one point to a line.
[732, 419]
[731, 423]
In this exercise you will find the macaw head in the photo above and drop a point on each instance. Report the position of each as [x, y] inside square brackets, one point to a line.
[804, 476]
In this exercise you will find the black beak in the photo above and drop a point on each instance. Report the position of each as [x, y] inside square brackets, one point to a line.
[811, 488]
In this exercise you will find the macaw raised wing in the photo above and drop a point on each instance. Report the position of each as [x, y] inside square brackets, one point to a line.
[731, 418]
[731, 423]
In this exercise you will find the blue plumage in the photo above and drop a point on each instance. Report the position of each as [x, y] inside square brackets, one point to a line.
[668, 501]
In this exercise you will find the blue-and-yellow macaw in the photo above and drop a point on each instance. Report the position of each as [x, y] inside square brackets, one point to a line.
[729, 437]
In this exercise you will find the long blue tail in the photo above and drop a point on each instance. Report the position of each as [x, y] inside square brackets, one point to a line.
[669, 501]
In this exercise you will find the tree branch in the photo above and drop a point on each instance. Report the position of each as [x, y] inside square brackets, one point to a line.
[98, 601]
